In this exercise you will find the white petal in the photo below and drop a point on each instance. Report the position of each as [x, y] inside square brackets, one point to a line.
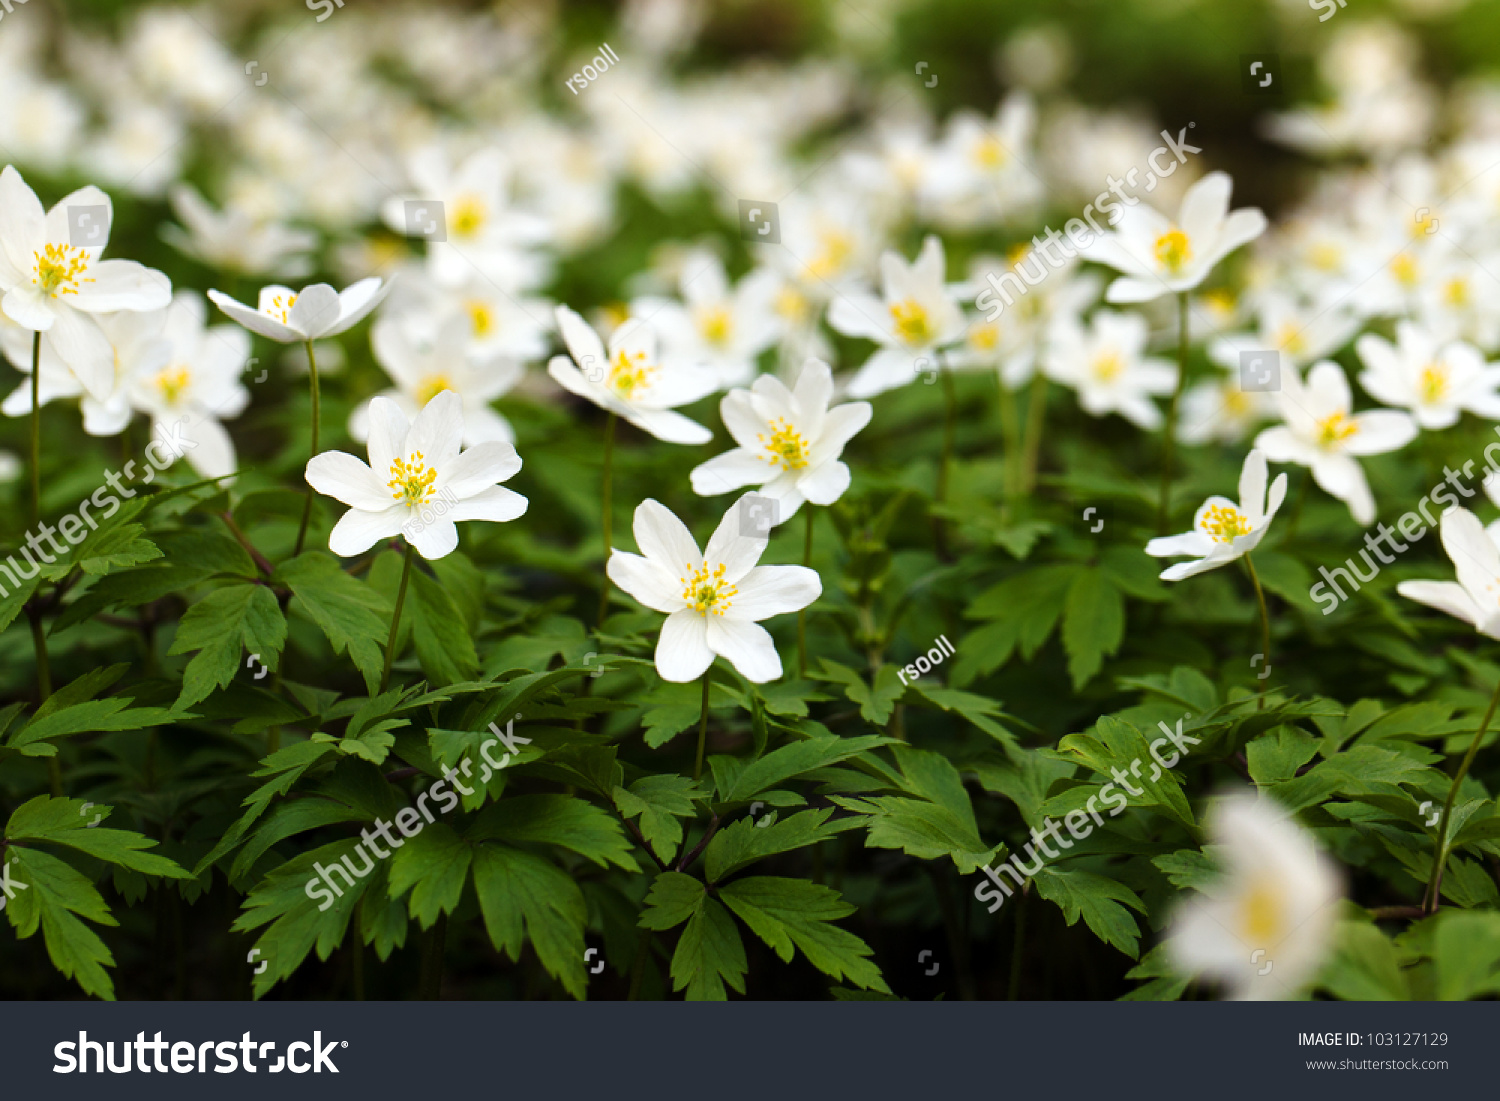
[254, 320]
[1193, 543]
[730, 471]
[341, 476]
[435, 540]
[665, 539]
[479, 468]
[736, 544]
[122, 285]
[647, 582]
[1253, 485]
[668, 426]
[388, 428]
[1445, 596]
[358, 531]
[746, 645]
[682, 652]
[495, 504]
[315, 312]
[775, 590]
[355, 303]
[823, 485]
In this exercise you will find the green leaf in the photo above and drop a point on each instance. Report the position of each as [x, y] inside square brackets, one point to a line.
[792, 760]
[433, 866]
[1097, 900]
[709, 951]
[743, 842]
[1093, 623]
[445, 649]
[521, 893]
[56, 894]
[875, 703]
[793, 912]
[1466, 955]
[1364, 966]
[351, 613]
[563, 820]
[659, 801]
[218, 627]
[69, 822]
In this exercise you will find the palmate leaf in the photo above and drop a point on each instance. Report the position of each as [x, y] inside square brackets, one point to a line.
[1093, 623]
[742, 843]
[524, 897]
[68, 822]
[56, 895]
[788, 912]
[877, 701]
[709, 951]
[659, 801]
[1098, 901]
[792, 760]
[445, 649]
[433, 866]
[562, 820]
[353, 615]
[222, 625]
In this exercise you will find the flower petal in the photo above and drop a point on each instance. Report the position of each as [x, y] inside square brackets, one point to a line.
[496, 504]
[665, 539]
[736, 544]
[682, 652]
[339, 475]
[122, 285]
[479, 468]
[646, 581]
[775, 590]
[435, 540]
[254, 320]
[746, 645]
[358, 530]
[315, 312]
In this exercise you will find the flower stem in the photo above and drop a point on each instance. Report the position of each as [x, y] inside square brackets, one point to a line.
[1036, 409]
[802, 612]
[1440, 855]
[36, 428]
[44, 688]
[604, 494]
[1169, 438]
[703, 724]
[312, 374]
[950, 421]
[1010, 429]
[390, 645]
[1265, 626]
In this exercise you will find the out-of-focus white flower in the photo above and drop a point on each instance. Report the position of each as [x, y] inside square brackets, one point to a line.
[1475, 596]
[789, 441]
[1266, 927]
[716, 325]
[915, 317]
[1015, 338]
[287, 316]
[140, 150]
[41, 123]
[631, 380]
[423, 367]
[1223, 530]
[1320, 432]
[1435, 382]
[714, 600]
[416, 465]
[985, 169]
[1106, 366]
[52, 285]
[1158, 255]
[235, 240]
[483, 233]
[1298, 334]
[175, 55]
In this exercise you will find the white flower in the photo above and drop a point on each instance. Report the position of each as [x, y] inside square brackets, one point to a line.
[1222, 530]
[423, 368]
[1321, 433]
[1222, 409]
[51, 285]
[199, 383]
[1265, 929]
[318, 311]
[1159, 256]
[713, 601]
[1435, 382]
[631, 381]
[789, 441]
[1475, 596]
[235, 240]
[418, 483]
[1298, 335]
[725, 328]
[983, 170]
[916, 317]
[1105, 364]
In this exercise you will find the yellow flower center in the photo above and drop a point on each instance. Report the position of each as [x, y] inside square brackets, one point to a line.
[833, 253]
[481, 317]
[59, 269]
[989, 153]
[431, 386]
[1017, 254]
[985, 338]
[912, 323]
[1261, 915]
[1456, 291]
[1434, 383]
[279, 307]
[1220, 301]
[1335, 428]
[715, 324]
[1223, 523]
[1289, 338]
[172, 381]
[412, 481]
[791, 304]
[1172, 250]
[1107, 367]
[1404, 268]
[629, 374]
[1424, 225]
[469, 215]
[1325, 256]
[787, 447]
[707, 591]
[1236, 404]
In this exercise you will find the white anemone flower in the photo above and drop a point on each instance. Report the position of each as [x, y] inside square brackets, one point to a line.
[789, 441]
[1266, 927]
[916, 317]
[236, 240]
[1475, 596]
[418, 483]
[1157, 255]
[1320, 432]
[715, 324]
[199, 383]
[423, 368]
[1223, 530]
[631, 380]
[1106, 365]
[1435, 381]
[714, 600]
[290, 317]
[51, 284]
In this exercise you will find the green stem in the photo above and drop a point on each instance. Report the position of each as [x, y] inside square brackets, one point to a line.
[36, 428]
[44, 689]
[1440, 856]
[702, 725]
[390, 645]
[357, 949]
[604, 493]
[638, 972]
[312, 374]
[1169, 440]
[1013, 992]
[802, 612]
[432, 960]
[1265, 627]
[950, 424]
[1010, 431]
[1036, 409]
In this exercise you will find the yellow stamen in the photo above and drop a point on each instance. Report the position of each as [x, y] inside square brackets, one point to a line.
[412, 481]
[59, 269]
[431, 386]
[985, 338]
[715, 324]
[279, 309]
[787, 447]
[1261, 915]
[1456, 291]
[912, 323]
[1434, 383]
[1335, 428]
[1172, 250]
[989, 153]
[1223, 523]
[1404, 268]
[791, 304]
[172, 381]
[1289, 338]
[469, 216]
[707, 591]
[1325, 256]
[834, 250]
[629, 374]
[1107, 367]
[481, 317]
